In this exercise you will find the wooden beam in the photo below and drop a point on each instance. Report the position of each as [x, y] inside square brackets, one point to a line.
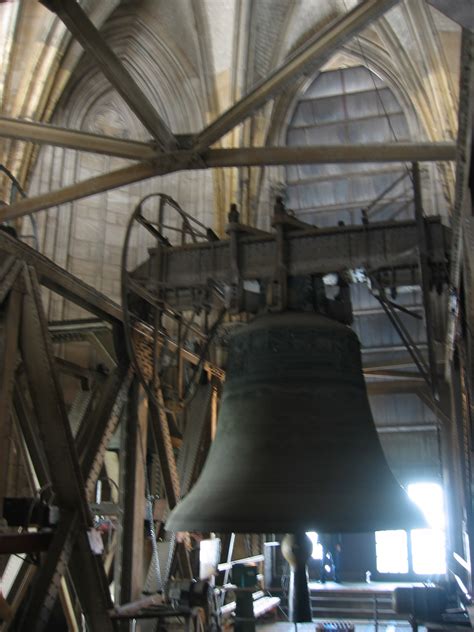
[308, 58]
[41, 133]
[77, 21]
[216, 158]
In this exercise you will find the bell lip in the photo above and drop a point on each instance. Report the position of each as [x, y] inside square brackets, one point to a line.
[285, 528]
[416, 521]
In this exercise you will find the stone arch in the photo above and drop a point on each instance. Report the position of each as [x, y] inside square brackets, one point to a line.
[368, 53]
[86, 236]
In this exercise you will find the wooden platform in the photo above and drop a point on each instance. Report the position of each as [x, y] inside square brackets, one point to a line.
[359, 627]
[361, 586]
[354, 601]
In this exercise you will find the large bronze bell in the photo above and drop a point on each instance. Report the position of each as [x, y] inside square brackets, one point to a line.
[296, 446]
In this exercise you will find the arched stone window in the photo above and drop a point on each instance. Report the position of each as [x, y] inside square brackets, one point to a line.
[347, 106]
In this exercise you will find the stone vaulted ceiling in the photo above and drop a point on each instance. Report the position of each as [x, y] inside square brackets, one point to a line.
[196, 58]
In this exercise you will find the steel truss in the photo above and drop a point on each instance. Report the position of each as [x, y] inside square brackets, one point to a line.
[66, 451]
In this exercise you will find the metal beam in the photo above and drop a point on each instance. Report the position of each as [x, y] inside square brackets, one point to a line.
[45, 589]
[79, 372]
[8, 360]
[462, 208]
[90, 583]
[73, 289]
[24, 542]
[29, 427]
[308, 58]
[47, 398]
[425, 274]
[132, 491]
[9, 271]
[383, 245]
[34, 132]
[59, 280]
[77, 21]
[92, 186]
[240, 157]
[93, 441]
[65, 473]
[326, 154]
[164, 447]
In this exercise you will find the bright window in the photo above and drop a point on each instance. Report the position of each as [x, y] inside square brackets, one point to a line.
[428, 546]
[392, 551]
[317, 553]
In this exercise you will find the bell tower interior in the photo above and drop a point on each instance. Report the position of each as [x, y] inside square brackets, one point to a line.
[236, 315]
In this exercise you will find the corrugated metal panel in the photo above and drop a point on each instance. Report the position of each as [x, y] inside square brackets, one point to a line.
[400, 410]
[412, 456]
[374, 330]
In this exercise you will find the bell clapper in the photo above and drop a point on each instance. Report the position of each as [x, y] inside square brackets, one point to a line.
[296, 549]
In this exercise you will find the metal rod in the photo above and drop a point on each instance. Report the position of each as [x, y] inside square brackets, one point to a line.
[245, 560]
[403, 309]
[425, 277]
[384, 193]
[409, 344]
